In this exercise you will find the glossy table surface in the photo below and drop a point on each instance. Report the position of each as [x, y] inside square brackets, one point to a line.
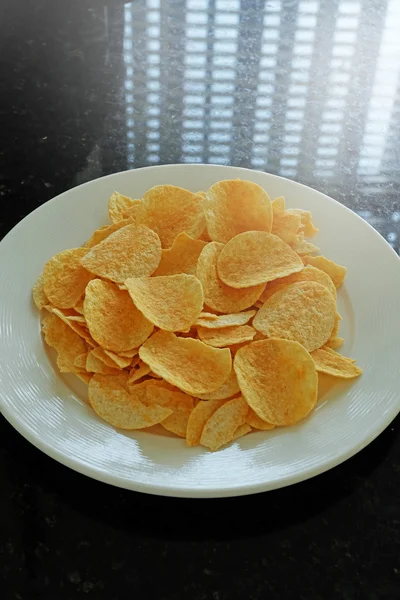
[304, 89]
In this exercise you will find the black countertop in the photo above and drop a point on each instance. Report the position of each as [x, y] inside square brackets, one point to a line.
[304, 89]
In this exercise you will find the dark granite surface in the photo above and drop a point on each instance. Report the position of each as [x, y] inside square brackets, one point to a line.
[305, 89]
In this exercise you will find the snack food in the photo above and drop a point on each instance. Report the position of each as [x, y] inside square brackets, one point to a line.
[205, 313]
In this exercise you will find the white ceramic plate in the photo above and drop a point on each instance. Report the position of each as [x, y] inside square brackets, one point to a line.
[50, 410]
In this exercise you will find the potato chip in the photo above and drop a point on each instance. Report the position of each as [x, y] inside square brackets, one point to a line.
[307, 226]
[278, 206]
[169, 210]
[39, 297]
[256, 257]
[241, 431]
[132, 251]
[181, 257]
[101, 234]
[304, 312]
[330, 362]
[286, 390]
[138, 371]
[64, 315]
[171, 302]
[80, 361]
[227, 390]
[223, 423]
[198, 418]
[254, 421]
[336, 272]
[190, 365]
[113, 320]
[217, 295]
[309, 273]
[110, 400]
[285, 225]
[96, 365]
[66, 342]
[334, 343]
[180, 403]
[119, 206]
[219, 321]
[65, 279]
[235, 206]
[226, 336]
[302, 247]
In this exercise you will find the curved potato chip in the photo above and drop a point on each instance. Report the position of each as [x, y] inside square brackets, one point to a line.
[304, 312]
[101, 234]
[234, 206]
[334, 343]
[307, 226]
[119, 205]
[226, 336]
[171, 302]
[190, 365]
[330, 362]
[256, 257]
[181, 257]
[309, 273]
[286, 390]
[198, 418]
[336, 272]
[254, 421]
[113, 320]
[278, 206]
[110, 400]
[241, 431]
[132, 251]
[217, 295]
[227, 390]
[302, 247]
[218, 321]
[66, 342]
[65, 279]
[115, 360]
[64, 315]
[94, 364]
[223, 423]
[285, 225]
[39, 297]
[169, 210]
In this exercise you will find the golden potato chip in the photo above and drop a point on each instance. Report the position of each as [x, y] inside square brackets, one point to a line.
[39, 297]
[65, 315]
[336, 272]
[219, 321]
[65, 279]
[302, 247]
[217, 295]
[241, 431]
[226, 336]
[110, 400]
[113, 320]
[190, 365]
[278, 206]
[256, 257]
[169, 210]
[227, 390]
[96, 365]
[234, 206]
[307, 226]
[278, 380]
[132, 251]
[330, 362]
[334, 343]
[181, 257]
[254, 421]
[171, 302]
[198, 418]
[309, 273]
[285, 225]
[138, 371]
[68, 344]
[101, 234]
[223, 423]
[80, 361]
[304, 312]
[119, 205]
[115, 360]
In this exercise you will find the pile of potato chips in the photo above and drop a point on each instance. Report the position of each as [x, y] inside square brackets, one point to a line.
[207, 313]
